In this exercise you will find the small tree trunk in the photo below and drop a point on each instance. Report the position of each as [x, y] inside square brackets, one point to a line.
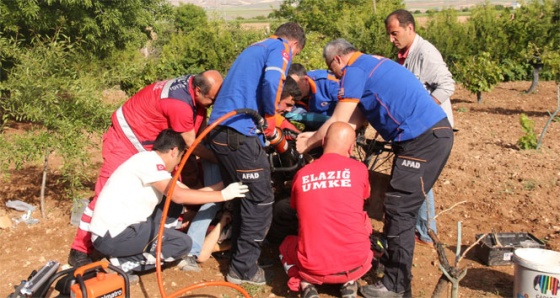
[552, 116]
[44, 183]
[479, 96]
[536, 70]
[441, 287]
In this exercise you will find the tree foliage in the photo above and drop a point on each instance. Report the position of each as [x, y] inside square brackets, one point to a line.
[189, 17]
[48, 88]
[479, 74]
[96, 25]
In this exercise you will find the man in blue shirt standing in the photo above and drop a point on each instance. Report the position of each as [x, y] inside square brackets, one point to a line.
[255, 82]
[401, 110]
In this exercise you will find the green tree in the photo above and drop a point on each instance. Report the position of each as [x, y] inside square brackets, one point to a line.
[50, 88]
[447, 34]
[529, 29]
[97, 25]
[325, 16]
[213, 47]
[189, 17]
[478, 74]
[485, 32]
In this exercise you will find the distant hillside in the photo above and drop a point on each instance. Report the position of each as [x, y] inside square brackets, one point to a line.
[231, 9]
[228, 3]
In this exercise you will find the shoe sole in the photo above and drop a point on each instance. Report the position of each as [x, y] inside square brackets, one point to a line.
[186, 267]
[237, 281]
[190, 269]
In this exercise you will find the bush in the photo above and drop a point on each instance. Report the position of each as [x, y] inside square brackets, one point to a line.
[529, 138]
[49, 87]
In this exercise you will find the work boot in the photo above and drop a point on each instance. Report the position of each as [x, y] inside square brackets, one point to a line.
[78, 258]
[189, 263]
[309, 292]
[349, 290]
[378, 290]
[258, 279]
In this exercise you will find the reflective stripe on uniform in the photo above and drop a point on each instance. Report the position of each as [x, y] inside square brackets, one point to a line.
[166, 88]
[278, 69]
[128, 131]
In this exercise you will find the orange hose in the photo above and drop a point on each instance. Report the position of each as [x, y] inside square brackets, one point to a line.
[210, 284]
[169, 195]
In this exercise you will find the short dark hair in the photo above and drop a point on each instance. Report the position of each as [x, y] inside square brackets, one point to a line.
[297, 69]
[168, 139]
[291, 89]
[292, 31]
[404, 17]
[201, 82]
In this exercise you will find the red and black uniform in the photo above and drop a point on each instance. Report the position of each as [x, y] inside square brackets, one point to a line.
[333, 243]
[135, 126]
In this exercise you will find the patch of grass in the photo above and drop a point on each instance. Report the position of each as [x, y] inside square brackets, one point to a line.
[253, 290]
[529, 184]
[509, 188]
[462, 109]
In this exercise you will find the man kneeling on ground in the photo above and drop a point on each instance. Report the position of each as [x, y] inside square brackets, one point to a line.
[126, 219]
[333, 243]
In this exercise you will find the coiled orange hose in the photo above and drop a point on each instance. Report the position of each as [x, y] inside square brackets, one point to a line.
[164, 217]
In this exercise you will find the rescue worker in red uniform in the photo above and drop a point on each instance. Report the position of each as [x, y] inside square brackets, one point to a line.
[180, 104]
[333, 241]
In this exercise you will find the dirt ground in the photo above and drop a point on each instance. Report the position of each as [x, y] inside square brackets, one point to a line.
[488, 185]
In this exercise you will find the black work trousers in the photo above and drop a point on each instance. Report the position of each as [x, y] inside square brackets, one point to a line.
[416, 167]
[284, 221]
[243, 158]
[134, 249]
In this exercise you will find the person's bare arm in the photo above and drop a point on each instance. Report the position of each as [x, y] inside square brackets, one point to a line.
[344, 111]
[211, 240]
[184, 195]
[200, 150]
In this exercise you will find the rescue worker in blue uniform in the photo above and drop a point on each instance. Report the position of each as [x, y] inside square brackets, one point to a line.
[399, 108]
[320, 95]
[255, 82]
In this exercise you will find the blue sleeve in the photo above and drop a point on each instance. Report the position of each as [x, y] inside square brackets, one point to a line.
[352, 84]
[277, 63]
[333, 87]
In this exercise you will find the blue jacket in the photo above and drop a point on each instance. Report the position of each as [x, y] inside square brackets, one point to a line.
[324, 92]
[392, 99]
[254, 81]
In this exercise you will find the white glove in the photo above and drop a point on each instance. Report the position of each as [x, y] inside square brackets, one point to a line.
[234, 190]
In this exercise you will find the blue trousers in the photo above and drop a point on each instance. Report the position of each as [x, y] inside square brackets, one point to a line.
[426, 219]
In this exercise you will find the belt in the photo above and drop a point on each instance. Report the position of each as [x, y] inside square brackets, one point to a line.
[234, 138]
[349, 271]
